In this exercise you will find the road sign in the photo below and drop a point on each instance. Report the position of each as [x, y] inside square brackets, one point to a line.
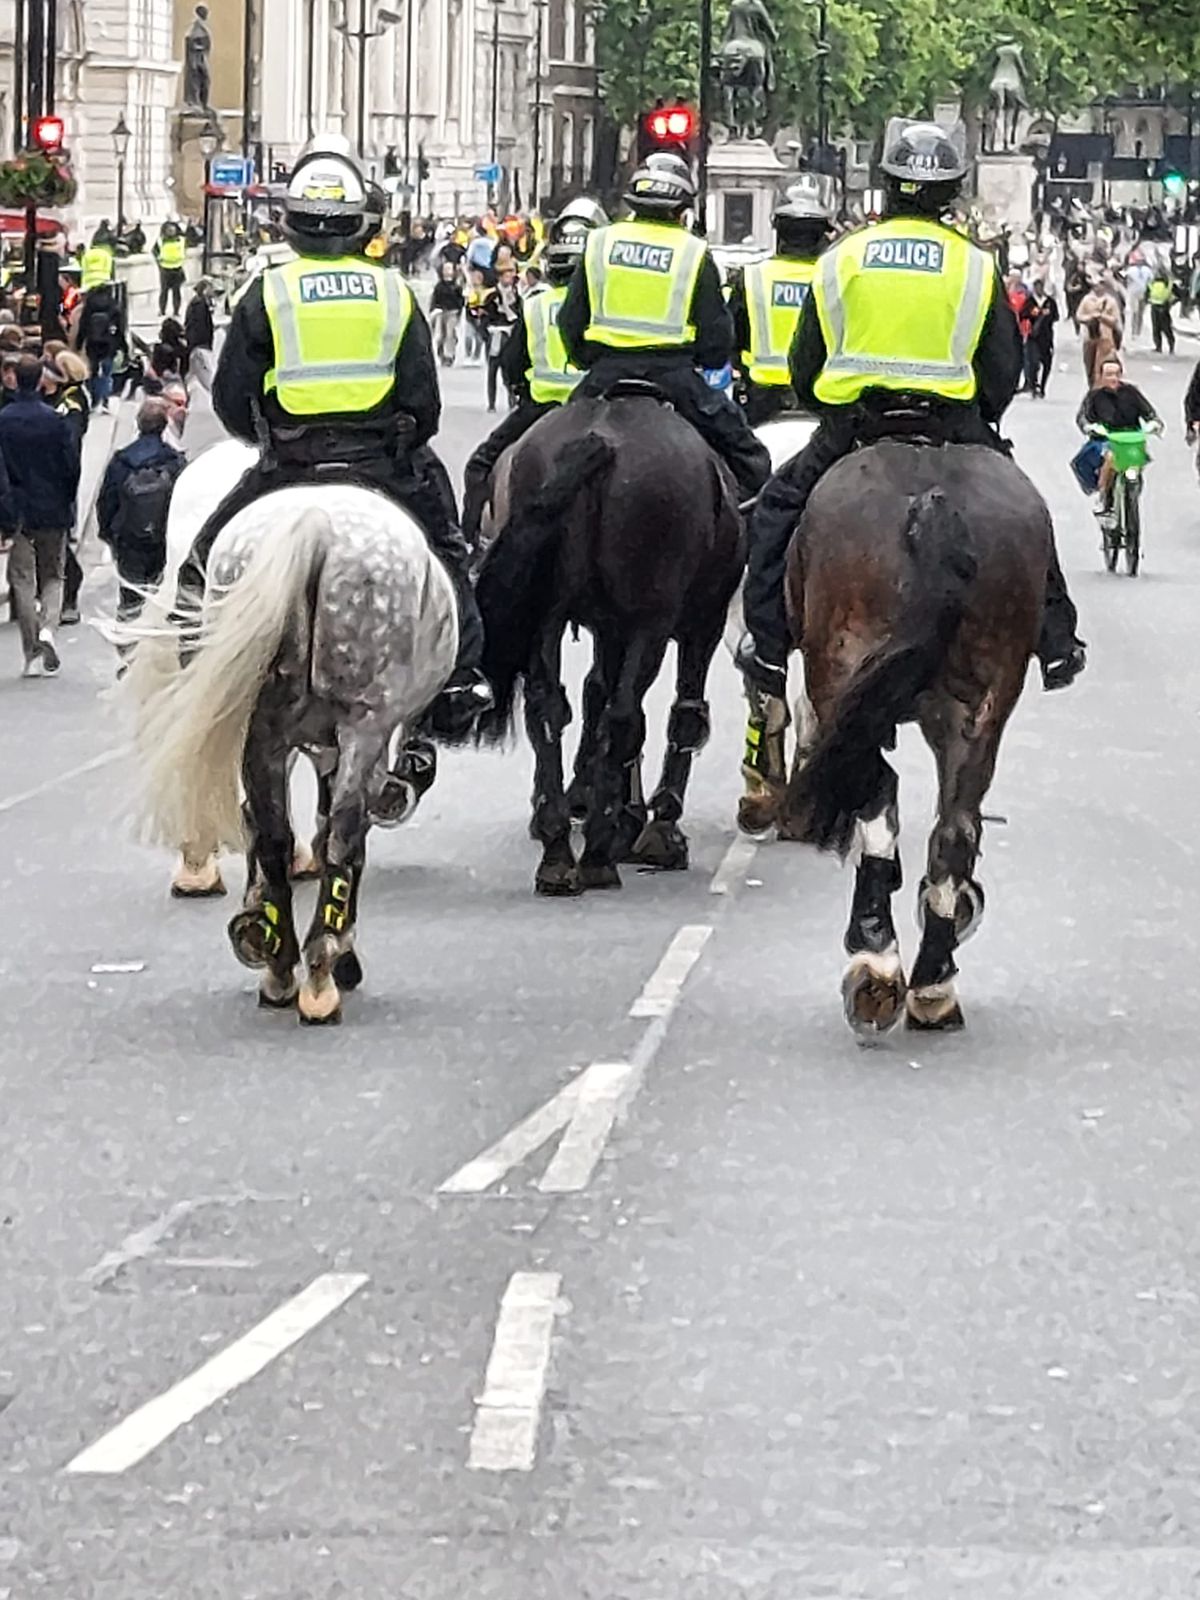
[489, 173]
[231, 172]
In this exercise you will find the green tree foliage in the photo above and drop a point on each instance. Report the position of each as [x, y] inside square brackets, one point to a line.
[901, 56]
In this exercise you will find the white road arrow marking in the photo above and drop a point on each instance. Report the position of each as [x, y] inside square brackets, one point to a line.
[508, 1412]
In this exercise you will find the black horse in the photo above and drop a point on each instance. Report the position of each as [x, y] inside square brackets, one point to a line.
[616, 517]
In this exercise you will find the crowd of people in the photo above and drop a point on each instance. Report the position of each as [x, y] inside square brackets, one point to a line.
[50, 391]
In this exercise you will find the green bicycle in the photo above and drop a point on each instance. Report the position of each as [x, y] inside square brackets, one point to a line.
[1121, 525]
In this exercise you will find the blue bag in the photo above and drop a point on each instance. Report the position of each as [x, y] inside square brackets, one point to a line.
[1086, 465]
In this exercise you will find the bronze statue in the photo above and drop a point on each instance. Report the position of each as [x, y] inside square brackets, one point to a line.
[1006, 95]
[197, 75]
[746, 67]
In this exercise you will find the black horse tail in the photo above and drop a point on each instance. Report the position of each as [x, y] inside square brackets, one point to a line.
[516, 580]
[846, 771]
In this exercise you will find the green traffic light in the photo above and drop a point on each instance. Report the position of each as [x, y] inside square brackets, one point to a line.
[1174, 183]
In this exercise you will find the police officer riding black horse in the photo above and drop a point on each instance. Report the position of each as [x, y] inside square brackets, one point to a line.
[329, 368]
[646, 304]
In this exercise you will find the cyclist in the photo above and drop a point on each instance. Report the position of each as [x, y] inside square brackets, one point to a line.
[1118, 407]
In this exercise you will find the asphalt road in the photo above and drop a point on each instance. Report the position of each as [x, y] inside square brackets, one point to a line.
[766, 1315]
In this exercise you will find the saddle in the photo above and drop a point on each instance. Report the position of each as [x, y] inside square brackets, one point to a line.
[636, 389]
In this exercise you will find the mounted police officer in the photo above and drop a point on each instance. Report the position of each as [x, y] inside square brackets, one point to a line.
[647, 304]
[766, 302]
[534, 363]
[907, 332]
[328, 366]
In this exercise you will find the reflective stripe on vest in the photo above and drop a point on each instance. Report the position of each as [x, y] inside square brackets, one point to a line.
[641, 278]
[549, 374]
[337, 326]
[95, 266]
[172, 253]
[775, 294]
[902, 306]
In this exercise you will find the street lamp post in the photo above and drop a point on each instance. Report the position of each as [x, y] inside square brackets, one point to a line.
[706, 66]
[120, 135]
[539, 7]
[209, 140]
[495, 94]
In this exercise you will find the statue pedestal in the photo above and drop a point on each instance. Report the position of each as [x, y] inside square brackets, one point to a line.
[1004, 188]
[745, 180]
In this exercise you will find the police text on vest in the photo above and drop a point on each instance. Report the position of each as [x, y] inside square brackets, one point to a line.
[642, 257]
[324, 286]
[912, 255]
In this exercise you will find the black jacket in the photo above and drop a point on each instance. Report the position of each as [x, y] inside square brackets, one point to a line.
[1191, 400]
[148, 450]
[714, 331]
[42, 464]
[1124, 409]
[198, 324]
[998, 359]
[248, 354]
[101, 324]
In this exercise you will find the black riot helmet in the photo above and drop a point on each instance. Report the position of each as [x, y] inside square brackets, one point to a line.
[923, 168]
[802, 221]
[661, 192]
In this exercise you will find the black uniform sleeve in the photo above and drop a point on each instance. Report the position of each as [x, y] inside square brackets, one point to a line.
[1146, 411]
[514, 357]
[416, 389]
[807, 357]
[998, 357]
[739, 317]
[710, 315]
[574, 315]
[1191, 401]
[247, 355]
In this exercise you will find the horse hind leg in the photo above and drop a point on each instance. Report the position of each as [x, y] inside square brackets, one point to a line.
[951, 901]
[263, 934]
[547, 714]
[595, 697]
[330, 959]
[873, 987]
[631, 670]
[662, 843]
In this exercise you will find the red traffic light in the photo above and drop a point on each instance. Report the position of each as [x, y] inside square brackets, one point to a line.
[671, 122]
[48, 133]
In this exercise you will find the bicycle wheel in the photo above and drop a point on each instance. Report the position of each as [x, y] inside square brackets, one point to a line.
[1110, 534]
[1133, 528]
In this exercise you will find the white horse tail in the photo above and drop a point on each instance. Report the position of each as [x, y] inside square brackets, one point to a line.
[191, 728]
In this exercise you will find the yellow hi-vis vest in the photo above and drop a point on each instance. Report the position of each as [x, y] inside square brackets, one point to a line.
[172, 253]
[902, 306]
[96, 266]
[549, 374]
[641, 278]
[337, 326]
[775, 294]
[1160, 293]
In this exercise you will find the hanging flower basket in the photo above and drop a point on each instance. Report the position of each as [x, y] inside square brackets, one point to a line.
[34, 179]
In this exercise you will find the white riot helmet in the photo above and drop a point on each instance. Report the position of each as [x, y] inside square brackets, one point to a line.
[327, 210]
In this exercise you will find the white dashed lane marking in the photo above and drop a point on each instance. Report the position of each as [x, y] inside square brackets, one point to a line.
[508, 1412]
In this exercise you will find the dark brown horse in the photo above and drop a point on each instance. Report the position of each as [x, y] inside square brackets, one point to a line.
[915, 582]
[616, 517]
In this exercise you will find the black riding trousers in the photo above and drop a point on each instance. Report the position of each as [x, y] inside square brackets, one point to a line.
[477, 474]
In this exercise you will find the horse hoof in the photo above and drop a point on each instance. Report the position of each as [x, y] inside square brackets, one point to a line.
[662, 846]
[557, 879]
[305, 866]
[253, 939]
[319, 1008]
[598, 875]
[933, 1011]
[873, 991]
[968, 912]
[757, 813]
[347, 970]
[395, 802]
[203, 882]
[279, 1002]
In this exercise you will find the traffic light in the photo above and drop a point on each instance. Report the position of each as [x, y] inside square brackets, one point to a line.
[1174, 184]
[422, 167]
[48, 134]
[668, 128]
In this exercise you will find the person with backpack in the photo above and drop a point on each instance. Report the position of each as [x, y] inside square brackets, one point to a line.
[65, 388]
[131, 510]
[102, 335]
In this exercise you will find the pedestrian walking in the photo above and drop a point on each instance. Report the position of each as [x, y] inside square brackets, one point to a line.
[132, 506]
[446, 305]
[1099, 318]
[475, 334]
[1039, 342]
[102, 336]
[199, 332]
[500, 312]
[170, 251]
[1161, 295]
[42, 467]
[65, 387]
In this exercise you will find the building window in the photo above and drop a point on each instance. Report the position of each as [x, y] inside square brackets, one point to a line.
[587, 164]
[568, 147]
[738, 218]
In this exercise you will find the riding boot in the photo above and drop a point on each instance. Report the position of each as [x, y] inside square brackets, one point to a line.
[1062, 653]
[780, 506]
